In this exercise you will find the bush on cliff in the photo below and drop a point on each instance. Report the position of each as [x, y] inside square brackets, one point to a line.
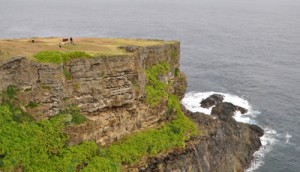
[155, 89]
[39, 146]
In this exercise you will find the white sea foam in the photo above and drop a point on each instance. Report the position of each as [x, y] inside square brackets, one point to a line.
[192, 102]
[288, 137]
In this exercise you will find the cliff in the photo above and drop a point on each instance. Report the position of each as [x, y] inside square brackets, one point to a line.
[109, 90]
[122, 88]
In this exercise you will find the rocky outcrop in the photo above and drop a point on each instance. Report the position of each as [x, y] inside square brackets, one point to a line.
[225, 109]
[224, 146]
[109, 91]
[211, 100]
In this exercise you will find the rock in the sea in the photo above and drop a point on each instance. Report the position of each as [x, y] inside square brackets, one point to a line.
[242, 110]
[226, 109]
[212, 100]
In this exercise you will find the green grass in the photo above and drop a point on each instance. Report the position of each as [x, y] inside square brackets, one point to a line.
[58, 57]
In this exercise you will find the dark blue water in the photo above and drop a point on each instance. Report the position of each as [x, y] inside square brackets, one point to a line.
[248, 48]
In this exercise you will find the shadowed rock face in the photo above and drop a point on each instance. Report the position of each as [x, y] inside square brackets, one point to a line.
[224, 146]
[211, 100]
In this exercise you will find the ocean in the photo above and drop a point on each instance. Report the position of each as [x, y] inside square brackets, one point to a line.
[248, 50]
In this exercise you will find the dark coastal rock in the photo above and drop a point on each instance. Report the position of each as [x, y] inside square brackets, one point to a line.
[212, 100]
[226, 109]
[242, 110]
[257, 129]
[223, 146]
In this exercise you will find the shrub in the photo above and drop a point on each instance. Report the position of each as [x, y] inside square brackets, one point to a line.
[177, 72]
[32, 104]
[75, 116]
[10, 100]
[39, 146]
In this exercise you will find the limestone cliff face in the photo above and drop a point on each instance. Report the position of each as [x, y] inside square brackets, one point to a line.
[110, 91]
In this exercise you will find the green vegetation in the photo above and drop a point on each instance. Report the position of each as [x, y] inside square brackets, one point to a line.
[76, 86]
[73, 115]
[176, 72]
[67, 74]
[156, 90]
[38, 146]
[173, 54]
[32, 104]
[9, 99]
[59, 57]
